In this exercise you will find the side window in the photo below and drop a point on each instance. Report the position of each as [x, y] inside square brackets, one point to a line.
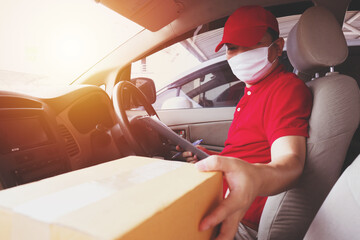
[214, 89]
[184, 80]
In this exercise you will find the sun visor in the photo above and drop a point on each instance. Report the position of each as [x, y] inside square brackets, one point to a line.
[151, 14]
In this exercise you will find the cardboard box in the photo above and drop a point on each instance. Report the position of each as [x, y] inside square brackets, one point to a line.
[130, 198]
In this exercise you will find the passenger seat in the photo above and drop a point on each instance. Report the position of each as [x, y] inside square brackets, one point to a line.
[339, 216]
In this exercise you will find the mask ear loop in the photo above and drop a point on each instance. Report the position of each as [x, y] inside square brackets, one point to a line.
[277, 57]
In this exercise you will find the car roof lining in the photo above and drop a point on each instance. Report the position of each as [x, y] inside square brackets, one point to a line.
[278, 10]
[181, 29]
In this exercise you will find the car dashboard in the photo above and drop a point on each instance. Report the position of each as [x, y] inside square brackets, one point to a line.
[44, 137]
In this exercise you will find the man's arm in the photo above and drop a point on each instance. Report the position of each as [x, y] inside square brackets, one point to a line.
[287, 163]
[247, 181]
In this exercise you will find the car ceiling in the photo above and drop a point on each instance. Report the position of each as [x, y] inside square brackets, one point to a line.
[192, 15]
[156, 14]
[202, 46]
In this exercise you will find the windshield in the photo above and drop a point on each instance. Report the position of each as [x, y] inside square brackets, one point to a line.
[52, 42]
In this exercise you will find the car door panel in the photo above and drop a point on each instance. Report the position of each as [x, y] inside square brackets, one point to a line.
[213, 134]
[209, 124]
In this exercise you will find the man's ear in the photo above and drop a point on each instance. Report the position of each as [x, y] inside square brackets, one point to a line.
[279, 45]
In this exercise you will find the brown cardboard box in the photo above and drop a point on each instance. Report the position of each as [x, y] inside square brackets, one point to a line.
[130, 198]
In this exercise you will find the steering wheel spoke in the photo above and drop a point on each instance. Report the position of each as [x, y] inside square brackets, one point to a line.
[146, 135]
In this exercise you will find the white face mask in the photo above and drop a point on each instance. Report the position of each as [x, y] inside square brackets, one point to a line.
[252, 65]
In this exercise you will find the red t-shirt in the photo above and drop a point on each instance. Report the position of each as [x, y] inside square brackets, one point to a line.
[277, 106]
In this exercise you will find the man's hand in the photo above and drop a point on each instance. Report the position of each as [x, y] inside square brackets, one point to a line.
[190, 157]
[247, 181]
[241, 178]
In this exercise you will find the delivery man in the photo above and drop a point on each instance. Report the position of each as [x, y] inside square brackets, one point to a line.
[265, 150]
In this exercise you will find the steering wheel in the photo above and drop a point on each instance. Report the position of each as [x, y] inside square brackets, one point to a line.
[124, 92]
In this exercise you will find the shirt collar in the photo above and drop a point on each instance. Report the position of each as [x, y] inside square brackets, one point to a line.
[267, 80]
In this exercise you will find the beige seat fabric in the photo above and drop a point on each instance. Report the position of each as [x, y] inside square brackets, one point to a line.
[316, 41]
[339, 216]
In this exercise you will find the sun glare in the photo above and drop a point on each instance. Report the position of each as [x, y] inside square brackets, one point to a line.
[59, 39]
[73, 48]
[70, 48]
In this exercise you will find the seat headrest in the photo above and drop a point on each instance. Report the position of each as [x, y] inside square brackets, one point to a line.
[316, 41]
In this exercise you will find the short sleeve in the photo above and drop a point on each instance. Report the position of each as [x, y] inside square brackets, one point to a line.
[288, 110]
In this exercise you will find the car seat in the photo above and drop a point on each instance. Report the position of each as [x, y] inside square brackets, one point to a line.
[339, 215]
[315, 42]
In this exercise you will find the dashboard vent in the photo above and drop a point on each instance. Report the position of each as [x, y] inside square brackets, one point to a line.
[72, 148]
[18, 102]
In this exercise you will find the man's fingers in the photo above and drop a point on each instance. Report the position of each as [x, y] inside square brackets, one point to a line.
[229, 227]
[192, 160]
[190, 157]
[187, 154]
[226, 208]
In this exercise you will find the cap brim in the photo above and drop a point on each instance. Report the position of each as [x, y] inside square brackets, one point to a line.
[219, 46]
[245, 37]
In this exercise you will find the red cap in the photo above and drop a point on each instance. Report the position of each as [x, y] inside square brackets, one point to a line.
[247, 25]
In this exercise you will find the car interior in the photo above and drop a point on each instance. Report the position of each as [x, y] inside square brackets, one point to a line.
[329, 135]
[85, 124]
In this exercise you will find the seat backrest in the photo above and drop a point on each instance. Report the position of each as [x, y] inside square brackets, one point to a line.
[339, 215]
[315, 42]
